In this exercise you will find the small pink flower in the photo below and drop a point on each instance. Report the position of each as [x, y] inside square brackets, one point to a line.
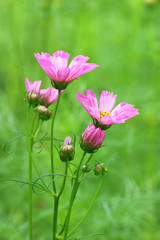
[67, 140]
[104, 115]
[56, 67]
[48, 96]
[92, 138]
[32, 86]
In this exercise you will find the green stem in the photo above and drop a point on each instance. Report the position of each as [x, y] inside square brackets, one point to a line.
[88, 160]
[73, 195]
[56, 198]
[56, 203]
[70, 169]
[89, 209]
[64, 180]
[52, 132]
[55, 216]
[30, 177]
[31, 159]
[35, 129]
[32, 126]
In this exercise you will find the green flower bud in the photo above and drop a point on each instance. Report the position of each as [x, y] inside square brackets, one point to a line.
[100, 169]
[32, 98]
[67, 153]
[85, 168]
[44, 113]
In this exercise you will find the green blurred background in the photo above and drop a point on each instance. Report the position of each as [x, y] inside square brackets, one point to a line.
[123, 37]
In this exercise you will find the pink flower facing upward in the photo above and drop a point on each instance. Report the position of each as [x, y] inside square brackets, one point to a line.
[104, 115]
[56, 67]
[48, 96]
[32, 89]
[92, 138]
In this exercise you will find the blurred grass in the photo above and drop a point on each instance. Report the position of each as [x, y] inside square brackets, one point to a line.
[123, 37]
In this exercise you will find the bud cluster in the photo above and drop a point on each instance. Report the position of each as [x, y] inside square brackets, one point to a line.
[40, 99]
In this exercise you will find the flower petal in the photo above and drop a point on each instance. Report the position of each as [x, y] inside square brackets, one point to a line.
[60, 59]
[67, 140]
[79, 70]
[80, 59]
[107, 101]
[123, 111]
[90, 98]
[32, 86]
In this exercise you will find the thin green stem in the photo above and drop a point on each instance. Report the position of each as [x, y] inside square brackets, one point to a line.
[56, 203]
[64, 179]
[31, 159]
[52, 132]
[39, 127]
[30, 177]
[88, 160]
[35, 129]
[55, 217]
[73, 195]
[70, 169]
[89, 209]
[34, 118]
[56, 198]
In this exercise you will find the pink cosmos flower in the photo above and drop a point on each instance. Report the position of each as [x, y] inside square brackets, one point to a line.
[104, 115]
[56, 67]
[32, 86]
[48, 96]
[92, 138]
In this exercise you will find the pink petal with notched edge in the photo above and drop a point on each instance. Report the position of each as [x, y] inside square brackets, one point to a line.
[107, 101]
[60, 59]
[89, 100]
[77, 61]
[77, 71]
[32, 86]
[124, 111]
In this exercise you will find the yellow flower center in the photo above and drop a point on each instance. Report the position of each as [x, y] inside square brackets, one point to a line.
[104, 113]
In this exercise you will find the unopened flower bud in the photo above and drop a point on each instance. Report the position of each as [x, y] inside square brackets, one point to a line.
[85, 168]
[32, 97]
[67, 153]
[44, 113]
[92, 138]
[100, 169]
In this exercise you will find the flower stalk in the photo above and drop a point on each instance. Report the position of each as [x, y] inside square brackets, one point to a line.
[29, 176]
[90, 207]
[52, 134]
[72, 198]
